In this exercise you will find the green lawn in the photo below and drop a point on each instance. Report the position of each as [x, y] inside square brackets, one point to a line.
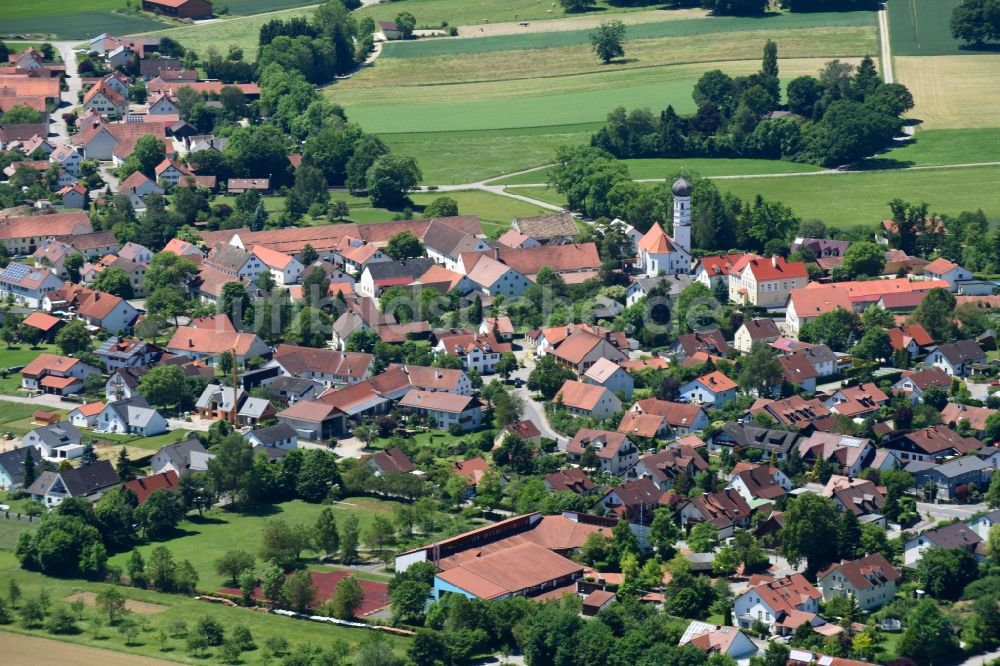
[496, 211]
[20, 355]
[203, 541]
[687, 28]
[176, 608]
[946, 146]
[448, 158]
[923, 28]
[10, 530]
[15, 417]
[543, 193]
[154, 443]
[850, 199]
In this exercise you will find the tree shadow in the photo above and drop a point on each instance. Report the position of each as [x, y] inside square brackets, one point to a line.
[260, 510]
[205, 520]
[882, 163]
[980, 48]
[623, 61]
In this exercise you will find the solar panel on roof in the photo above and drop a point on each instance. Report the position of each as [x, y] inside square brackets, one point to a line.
[17, 272]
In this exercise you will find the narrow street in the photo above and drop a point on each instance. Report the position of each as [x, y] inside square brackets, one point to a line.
[534, 411]
[70, 96]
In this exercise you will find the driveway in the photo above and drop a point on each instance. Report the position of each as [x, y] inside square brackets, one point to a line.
[74, 83]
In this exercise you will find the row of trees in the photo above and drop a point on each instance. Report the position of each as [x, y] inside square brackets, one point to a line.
[976, 22]
[839, 116]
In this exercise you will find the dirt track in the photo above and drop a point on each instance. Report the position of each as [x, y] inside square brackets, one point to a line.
[33, 651]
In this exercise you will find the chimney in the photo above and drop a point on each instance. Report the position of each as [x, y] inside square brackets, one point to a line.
[774, 260]
[496, 252]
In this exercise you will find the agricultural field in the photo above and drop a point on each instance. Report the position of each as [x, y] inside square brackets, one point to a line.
[176, 609]
[953, 91]
[34, 651]
[480, 108]
[76, 19]
[922, 28]
[434, 13]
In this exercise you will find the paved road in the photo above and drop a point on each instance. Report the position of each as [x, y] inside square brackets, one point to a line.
[534, 411]
[883, 31]
[949, 511]
[74, 84]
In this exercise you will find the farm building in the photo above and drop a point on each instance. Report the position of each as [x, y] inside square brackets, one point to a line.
[190, 9]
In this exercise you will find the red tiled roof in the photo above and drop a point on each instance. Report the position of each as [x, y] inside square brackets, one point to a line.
[48, 363]
[146, 486]
[579, 395]
[41, 321]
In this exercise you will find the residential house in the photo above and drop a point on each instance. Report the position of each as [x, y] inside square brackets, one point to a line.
[390, 461]
[235, 262]
[145, 486]
[949, 271]
[85, 416]
[444, 410]
[171, 171]
[949, 537]
[182, 458]
[975, 418]
[104, 100]
[74, 196]
[955, 358]
[758, 482]
[25, 234]
[820, 357]
[935, 443]
[208, 345]
[714, 270]
[849, 454]
[914, 383]
[445, 244]
[398, 379]
[89, 482]
[553, 229]
[857, 402]
[237, 186]
[59, 375]
[107, 312]
[583, 349]
[744, 437]
[12, 466]
[133, 416]
[605, 372]
[798, 371]
[278, 436]
[472, 470]
[983, 523]
[379, 276]
[634, 500]
[284, 268]
[714, 639]
[523, 429]
[26, 285]
[495, 278]
[67, 157]
[477, 352]
[291, 389]
[162, 104]
[514, 238]
[665, 466]
[765, 283]
[914, 338]
[136, 272]
[713, 389]
[588, 400]
[780, 604]
[570, 480]
[955, 479]
[216, 402]
[651, 418]
[615, 451]
[123, 383]
[726, 509]
[711, 342]
[58, 441]
[794, 411]
[869, 580]
[762, 330]
[859, 497]
[255, 411]
[332, 368]
[118, 352]
[501, 327]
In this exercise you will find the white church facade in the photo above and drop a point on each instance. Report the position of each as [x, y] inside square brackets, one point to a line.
[659, 254]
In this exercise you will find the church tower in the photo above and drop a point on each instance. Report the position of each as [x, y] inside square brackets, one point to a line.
[682, 214]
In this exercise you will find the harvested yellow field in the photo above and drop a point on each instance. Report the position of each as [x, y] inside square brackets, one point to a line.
[952, 92]
[32, 651]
